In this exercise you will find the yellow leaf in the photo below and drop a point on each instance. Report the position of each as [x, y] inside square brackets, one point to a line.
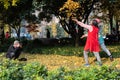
[70, 7]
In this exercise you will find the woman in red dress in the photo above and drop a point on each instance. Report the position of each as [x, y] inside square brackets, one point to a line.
[92, 43]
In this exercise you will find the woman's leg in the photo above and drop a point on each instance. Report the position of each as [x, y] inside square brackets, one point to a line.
[98, 57]
[86, 56]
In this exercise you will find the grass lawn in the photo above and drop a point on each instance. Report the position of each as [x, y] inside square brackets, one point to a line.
[54, 61]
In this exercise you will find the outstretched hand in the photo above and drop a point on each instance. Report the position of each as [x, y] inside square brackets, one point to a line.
[82, 36]
[74, 19]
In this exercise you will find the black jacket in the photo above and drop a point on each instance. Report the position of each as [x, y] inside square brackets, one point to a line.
[12, 50]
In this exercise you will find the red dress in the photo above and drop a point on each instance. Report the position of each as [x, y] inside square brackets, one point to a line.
[92, 43]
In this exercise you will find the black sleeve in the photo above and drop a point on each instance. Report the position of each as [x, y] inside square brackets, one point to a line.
[12, 49]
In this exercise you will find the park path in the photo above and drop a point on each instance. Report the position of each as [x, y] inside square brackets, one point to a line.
[71, 62]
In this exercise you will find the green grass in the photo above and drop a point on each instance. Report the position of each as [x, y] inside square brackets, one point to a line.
[76, 51]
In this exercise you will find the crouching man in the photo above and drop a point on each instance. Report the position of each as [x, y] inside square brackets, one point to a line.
[14, 50]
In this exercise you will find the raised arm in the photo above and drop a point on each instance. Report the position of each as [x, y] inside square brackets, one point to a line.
[82, 24]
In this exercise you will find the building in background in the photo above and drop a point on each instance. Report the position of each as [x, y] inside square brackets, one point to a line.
[56, 30]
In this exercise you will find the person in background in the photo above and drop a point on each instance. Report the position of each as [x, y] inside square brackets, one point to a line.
[92, 43]
[102, 43]
[48, 33]
[7, 35]
[14, 50]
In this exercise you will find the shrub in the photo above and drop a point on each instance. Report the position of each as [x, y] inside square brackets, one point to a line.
[95, 73]
[56, 74]
[6, 44]
[83, 73]
[14, 70]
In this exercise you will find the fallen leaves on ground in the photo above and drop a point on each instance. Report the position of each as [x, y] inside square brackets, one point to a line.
[71, 62]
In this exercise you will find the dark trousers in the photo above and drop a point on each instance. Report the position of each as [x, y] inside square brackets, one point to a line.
[17, 54]
[14, 55]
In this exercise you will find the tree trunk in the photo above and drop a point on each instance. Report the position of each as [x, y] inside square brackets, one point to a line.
[117, 30]
[2, 35]
[77, 40]
[80, 33]
[18, 33]
[111, 24]
[111, 20]
[117, 27]
[17, 29]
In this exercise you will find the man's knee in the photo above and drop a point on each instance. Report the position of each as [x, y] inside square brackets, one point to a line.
[10, 56]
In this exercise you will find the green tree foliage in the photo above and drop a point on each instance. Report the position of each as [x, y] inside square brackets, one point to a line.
[14, 14]
[17, 9]
[53, 7]
[110, 10]
[22, 10]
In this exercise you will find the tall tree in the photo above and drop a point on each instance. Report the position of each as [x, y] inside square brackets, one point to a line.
[82, 13]
[112, 8]
[1, 23]
[14, 14]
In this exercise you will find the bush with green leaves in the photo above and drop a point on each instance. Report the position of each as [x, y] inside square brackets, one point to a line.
[56, 74]
[84, 73]
[95, 73]
[15, 70]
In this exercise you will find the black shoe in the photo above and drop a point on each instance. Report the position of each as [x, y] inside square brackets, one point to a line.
[95, 60]
[111, 58]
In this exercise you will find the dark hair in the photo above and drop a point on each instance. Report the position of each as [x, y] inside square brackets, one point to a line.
[95, 23]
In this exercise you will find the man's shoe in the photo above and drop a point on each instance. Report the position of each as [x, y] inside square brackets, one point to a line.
[111, 58]
[95, 59]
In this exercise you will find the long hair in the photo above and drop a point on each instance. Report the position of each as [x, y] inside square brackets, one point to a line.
[95, 23]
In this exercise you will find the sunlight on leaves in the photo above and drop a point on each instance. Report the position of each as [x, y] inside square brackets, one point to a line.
[70, 7]
[14, 2]
[7, 3]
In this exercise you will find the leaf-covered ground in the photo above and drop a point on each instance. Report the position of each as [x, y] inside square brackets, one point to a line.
[54, 61]
[71, 62]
